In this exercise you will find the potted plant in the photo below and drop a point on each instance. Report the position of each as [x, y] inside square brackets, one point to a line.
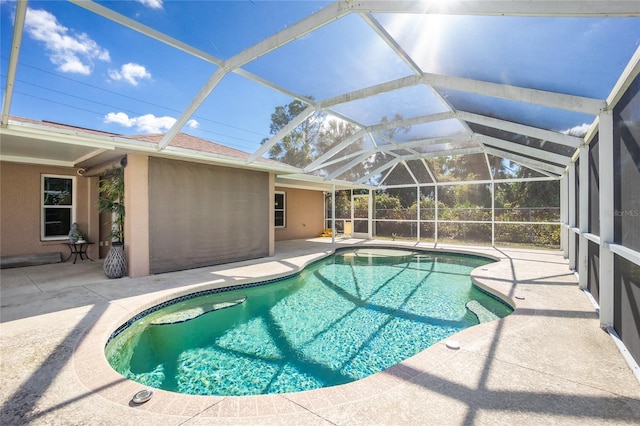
[76, 235]
[81, 237]
[111, 200]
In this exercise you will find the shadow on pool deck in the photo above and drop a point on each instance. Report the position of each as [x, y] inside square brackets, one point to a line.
[547, 363]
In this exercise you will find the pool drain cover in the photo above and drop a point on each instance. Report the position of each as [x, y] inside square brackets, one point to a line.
[142, 396]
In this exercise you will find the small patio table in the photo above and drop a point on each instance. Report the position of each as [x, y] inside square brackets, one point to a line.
[78, 248]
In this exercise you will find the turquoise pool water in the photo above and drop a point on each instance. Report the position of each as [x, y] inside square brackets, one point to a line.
[341, 319]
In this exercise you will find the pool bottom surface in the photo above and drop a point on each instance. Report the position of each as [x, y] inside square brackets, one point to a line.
[341, 319]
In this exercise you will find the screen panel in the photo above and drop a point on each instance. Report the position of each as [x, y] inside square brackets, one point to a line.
[464, 233]
[205, 215]
[626, 146]
[576, 246]
[538, 235]
[594, 187]
[577, 194]
[395, 230]
[593, 279]
[626, 295]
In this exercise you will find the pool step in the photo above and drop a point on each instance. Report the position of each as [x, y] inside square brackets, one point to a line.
[483, 314]
[193, 313]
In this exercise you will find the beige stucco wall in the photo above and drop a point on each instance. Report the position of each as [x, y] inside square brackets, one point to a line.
[304, 214]
[136, 223]
[272, 231]
[105, 229]
[20, 209]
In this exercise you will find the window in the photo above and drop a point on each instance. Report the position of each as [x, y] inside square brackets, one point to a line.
[279, 208]
[58, 210]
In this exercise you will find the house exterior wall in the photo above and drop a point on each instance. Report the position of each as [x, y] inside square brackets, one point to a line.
[20, 209]
[231, 213]
[272, 231]
[136, 223]
[201, 215]
[304, 214]
[105, 230]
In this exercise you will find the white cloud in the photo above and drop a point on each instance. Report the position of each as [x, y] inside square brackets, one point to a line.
[579, 131]
[147, 123]
[193, 124]
[71, 52]
[153, 4]
[131, 73]
[119, 118]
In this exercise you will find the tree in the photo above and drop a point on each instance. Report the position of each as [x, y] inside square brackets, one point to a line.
[296, 147]
[333, 132]
[111, 201]
[387, 206]
[343, 204]
[391, 133]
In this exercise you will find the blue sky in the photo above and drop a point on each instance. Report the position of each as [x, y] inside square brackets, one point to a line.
[78, 68]
[81, 69]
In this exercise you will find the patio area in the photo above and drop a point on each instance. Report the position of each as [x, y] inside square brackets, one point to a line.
[547, 363]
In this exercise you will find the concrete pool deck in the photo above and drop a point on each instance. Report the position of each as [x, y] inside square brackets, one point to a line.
[547, 363]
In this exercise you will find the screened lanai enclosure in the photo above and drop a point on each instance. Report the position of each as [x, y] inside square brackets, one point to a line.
[477, 122]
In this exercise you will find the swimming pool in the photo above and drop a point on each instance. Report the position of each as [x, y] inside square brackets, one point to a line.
[341, 319]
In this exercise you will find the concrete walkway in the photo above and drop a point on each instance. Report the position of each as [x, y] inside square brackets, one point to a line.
[547, 363]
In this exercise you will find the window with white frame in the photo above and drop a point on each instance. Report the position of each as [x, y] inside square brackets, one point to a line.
[279, 209]
[58, 206]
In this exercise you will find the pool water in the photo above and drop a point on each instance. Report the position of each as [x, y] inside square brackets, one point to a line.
[341, 319]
